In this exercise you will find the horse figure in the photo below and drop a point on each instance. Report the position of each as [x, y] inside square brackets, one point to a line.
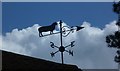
[47, 28]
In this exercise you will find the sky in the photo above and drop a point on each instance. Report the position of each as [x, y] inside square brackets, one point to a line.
[22, 15]
[20, 21]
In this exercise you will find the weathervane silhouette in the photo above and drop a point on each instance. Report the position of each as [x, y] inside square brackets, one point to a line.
[62, 31]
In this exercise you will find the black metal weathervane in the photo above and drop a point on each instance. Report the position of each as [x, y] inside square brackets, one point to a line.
[62, 48]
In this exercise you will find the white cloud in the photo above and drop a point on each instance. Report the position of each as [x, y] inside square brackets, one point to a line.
[58, 0]
[90, 50]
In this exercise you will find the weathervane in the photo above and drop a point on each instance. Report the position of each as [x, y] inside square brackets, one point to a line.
[62, 31]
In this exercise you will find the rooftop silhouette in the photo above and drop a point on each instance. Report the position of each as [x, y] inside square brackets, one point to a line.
[14, 62]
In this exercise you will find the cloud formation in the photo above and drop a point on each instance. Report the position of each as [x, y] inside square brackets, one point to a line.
[90, 50]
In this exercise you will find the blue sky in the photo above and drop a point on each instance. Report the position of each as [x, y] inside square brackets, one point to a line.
[24, 14]
[21, 20]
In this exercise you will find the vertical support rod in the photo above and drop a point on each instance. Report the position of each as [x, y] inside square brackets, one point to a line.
[61, 40]
[62, 57]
